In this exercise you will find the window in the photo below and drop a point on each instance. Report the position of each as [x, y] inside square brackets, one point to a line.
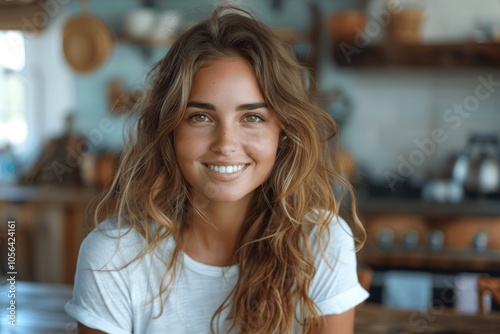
[13, 123]
[13, 120]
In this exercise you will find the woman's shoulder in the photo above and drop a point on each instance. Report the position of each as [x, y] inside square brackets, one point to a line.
[111, 231]
[336, 241]
[334, 288]
[336, 228]
[111, 241]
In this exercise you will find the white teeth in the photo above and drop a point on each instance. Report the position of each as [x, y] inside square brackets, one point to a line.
[226, 169]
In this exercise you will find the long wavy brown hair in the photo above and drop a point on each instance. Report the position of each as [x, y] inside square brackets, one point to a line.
[274, 257]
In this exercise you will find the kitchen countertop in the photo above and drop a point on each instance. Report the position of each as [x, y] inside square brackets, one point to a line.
[47, 194]
[40, 309]
[471, 207]
[373, 318]
[372, 205]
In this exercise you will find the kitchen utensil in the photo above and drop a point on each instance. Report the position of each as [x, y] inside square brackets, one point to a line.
[344, 26]
[407, 290]
[52, 167]
[483, 175]
[489, 169]
[442, 191]
[147, 25]
[488, 175]
[410, 239]
[166, 26]
[466, 293]
[460, 168]
[87, 41]
[8, 165]
[138, 24]
[385, 238]
[435, 240]
[480, 242]
[405, 26]
[89, 170]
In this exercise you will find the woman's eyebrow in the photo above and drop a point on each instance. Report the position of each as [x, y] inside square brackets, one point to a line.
[211, 107]
[201, 105]
[252, 106]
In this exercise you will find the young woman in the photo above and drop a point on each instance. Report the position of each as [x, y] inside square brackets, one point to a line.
[225, 216]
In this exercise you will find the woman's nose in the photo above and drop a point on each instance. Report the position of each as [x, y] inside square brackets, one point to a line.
[225, 140]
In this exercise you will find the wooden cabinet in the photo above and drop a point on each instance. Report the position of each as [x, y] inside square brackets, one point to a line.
[471, 242]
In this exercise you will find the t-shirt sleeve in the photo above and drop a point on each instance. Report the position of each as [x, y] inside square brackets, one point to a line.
[335, 288]
[101, 295]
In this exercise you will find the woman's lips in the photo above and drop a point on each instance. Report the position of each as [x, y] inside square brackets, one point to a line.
[226, 169]
[226, 172]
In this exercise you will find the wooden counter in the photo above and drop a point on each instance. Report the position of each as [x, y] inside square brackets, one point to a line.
[41, 310]
[25, 205]
[47, 195]
[372, 318]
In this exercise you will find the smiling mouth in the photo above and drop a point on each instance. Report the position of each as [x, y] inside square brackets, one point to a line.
[226, 169]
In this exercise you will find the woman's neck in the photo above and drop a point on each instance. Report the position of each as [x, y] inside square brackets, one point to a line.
[214, 242]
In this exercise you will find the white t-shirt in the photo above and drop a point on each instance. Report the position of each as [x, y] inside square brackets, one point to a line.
[116, 301]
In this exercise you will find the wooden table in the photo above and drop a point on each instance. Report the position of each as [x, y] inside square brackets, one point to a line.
[40, 310]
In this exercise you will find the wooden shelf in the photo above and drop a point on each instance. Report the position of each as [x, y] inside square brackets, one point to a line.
[50, 194]
[416, 206]
[418, 55]
[451, 259]
[147, 42]
[388, 243]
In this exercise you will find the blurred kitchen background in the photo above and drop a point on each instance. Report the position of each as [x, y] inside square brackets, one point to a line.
[414, 85]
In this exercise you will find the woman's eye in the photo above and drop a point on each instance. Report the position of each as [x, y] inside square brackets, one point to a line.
[198, 118]
[253, 118]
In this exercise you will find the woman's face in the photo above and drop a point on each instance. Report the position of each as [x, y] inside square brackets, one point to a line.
[227, 142]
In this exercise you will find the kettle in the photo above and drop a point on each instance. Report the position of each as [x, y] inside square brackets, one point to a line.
[478, 169]
[489, 175]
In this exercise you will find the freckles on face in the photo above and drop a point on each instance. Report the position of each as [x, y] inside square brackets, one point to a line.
[228, 138]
